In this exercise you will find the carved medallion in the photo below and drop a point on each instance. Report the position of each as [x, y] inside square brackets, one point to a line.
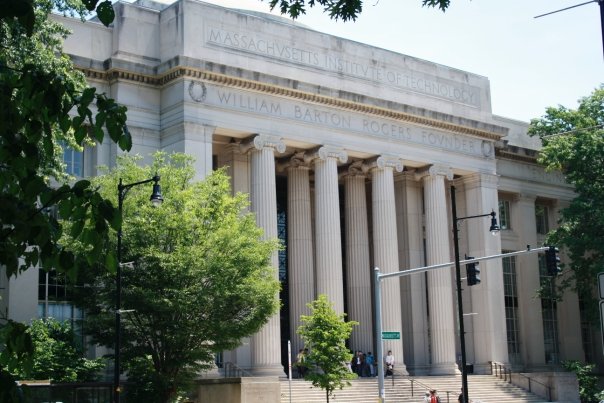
[197, 91]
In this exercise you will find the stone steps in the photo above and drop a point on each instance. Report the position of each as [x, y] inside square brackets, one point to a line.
[483, 388]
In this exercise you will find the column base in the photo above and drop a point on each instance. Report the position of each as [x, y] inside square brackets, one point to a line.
[401, 370]
[444, 369]
[269, 370]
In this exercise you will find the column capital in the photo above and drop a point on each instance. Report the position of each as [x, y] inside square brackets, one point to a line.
[326, 152]
[386, 161]
[296, 161]
[233, 146]
[480, 179]
[528, 198]
[357, 168]
[435, 170]
[261, 141]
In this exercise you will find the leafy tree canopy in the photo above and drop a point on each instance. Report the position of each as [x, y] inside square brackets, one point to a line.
[324, 333]
[57, 356]
[200, 280]
[573, 143]
[45, 102]
[344, 9]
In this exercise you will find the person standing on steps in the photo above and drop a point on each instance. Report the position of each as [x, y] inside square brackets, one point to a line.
[370, 364]
[389, 361]
[434, 398]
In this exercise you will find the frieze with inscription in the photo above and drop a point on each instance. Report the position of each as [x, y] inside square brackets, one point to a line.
[318, 58]
[337, 119]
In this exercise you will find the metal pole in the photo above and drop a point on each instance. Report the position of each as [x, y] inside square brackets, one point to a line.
[289, 366]
[118, 299]
[601, 3]
[378, 335]
[462, 336]
[122, 190]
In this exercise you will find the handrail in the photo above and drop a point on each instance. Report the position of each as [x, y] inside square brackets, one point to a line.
[500, 370]
[424, 386]
[231, 370]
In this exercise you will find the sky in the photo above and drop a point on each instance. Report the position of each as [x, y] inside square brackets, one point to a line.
[531, 63]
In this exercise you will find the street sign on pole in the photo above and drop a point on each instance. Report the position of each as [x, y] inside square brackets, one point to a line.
[391, 335]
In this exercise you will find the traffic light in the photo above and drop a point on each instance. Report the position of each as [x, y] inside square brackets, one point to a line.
[552, 261]
[472, 272]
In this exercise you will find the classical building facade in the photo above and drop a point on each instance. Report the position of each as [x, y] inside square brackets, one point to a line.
[348, 153]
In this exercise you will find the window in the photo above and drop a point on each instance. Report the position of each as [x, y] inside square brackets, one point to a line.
[73, 159]
[504, 214]
[511, 309]
[54, 301]
[549, 311]
[541, 214]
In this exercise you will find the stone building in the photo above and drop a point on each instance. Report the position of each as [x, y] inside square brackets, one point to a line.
[348, 153]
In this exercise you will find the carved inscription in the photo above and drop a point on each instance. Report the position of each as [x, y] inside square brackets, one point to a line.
[362, 125]
[315, 57]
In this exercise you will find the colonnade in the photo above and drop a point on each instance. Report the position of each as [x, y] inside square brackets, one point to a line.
[315, 252]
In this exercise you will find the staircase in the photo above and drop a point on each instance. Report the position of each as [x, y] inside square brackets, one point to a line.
[482, 388]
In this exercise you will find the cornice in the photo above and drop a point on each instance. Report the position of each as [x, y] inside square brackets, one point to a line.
[515, 157]
[114, 74]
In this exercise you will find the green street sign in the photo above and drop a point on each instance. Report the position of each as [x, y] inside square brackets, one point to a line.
[391, 335]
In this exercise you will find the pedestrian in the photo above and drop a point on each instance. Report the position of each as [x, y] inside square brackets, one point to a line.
[389, 361]
[434, 396]
[369, 361]
[301, 363]
[427, 397]
[460, 398]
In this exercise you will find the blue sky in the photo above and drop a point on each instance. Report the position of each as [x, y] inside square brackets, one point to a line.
[531, 63]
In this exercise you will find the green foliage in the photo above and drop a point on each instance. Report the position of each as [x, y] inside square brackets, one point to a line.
[38, 88]
[57, 356]
[573, 143]
[588, 383]
[43, 101]
[17, 354]
[201, 278]
[325, 333]
[345, 9]
[23, 11]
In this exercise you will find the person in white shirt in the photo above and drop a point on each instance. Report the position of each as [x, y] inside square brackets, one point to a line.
[389, 361]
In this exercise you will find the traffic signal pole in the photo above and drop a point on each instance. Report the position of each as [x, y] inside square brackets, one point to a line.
[377, 306]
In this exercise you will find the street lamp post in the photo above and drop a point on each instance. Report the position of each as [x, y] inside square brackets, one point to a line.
[156, 199]
[462, 337]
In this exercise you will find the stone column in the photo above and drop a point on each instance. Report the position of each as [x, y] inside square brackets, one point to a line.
[409, 222]
[523, 224]
[238, 167]
[488, 337]
[300, 247]
[571, 340]
[440, 284]
[328, 240]
[358, 273]
[265, 345]
[385, 249]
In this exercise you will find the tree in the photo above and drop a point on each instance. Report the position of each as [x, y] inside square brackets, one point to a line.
[57, 356]
[573, 143]
[201, 277]
[44, 101]
[346, 9]
[589, 392]
[325, 333]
